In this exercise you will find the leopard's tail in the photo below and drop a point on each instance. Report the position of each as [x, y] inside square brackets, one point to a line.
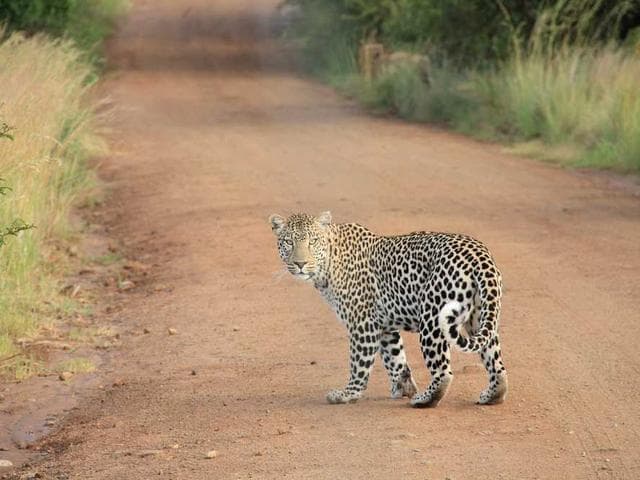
[451, 318]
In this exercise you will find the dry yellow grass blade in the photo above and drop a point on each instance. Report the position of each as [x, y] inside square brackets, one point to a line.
[44, 98]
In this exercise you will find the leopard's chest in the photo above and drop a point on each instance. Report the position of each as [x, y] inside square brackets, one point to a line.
[351, 297]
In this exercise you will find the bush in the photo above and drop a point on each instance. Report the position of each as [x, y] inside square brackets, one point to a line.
[86, 22]
[566, 89]
[464, 32]
[326, 41]
[554, 77]
[37, 15]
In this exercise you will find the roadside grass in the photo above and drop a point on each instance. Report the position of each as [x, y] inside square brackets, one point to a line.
[45, 88]
[561, 96]
[581, 104]
[92, 335]
[75, 365]
[575, 106]
[108, 259]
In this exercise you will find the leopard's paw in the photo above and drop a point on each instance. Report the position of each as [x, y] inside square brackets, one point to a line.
[493, 395]
[405, 387]
[431, 396]
[342, 396]
[424, 400]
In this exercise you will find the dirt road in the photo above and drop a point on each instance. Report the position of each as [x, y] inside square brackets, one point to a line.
[214, 131]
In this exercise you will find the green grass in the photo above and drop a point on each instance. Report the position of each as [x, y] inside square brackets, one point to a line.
[108, 259]
[402, 92]
[563, 94]
[576, 105]
[75, 365]
[89, 334]
[584, 99]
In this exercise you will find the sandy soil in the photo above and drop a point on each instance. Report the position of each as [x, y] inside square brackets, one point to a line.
[213, 131]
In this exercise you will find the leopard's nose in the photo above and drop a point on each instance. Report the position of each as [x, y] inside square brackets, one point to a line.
[300, 264]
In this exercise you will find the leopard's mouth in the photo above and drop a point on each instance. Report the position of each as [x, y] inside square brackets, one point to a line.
[304, 275]
[301, 273]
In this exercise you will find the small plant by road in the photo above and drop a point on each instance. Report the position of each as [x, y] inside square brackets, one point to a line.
[18, 225]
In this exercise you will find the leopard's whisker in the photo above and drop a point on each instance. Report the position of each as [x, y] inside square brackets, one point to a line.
[279, 274]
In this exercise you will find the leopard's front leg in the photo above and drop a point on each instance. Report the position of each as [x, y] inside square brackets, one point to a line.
[364, 343]
[395, 362]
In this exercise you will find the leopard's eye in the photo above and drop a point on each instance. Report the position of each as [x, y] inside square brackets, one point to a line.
[288, 242]
[313, 240]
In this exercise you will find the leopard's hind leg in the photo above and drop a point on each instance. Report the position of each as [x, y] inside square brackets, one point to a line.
[395, 362]
[437, 356]
[497, 390]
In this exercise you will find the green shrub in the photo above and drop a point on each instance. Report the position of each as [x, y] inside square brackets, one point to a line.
[86, 22]
[37, 15]
[549, 74]
[567, 89]
[326, 41]
[462, 32]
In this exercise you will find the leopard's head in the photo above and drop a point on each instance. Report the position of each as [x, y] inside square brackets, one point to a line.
[303, 243]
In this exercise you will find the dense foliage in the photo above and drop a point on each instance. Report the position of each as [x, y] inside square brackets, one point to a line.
[86, 22]
[462, 31]
[35, 15]
[559, 78]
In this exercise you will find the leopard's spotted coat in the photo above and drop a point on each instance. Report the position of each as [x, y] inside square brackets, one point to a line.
[430, 283]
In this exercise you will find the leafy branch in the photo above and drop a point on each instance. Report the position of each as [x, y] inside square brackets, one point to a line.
[5, 131]
[17, 226]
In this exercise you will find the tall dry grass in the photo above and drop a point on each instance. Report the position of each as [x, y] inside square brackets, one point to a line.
[44, 97]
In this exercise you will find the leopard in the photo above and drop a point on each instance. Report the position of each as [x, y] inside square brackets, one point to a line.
[444, 286]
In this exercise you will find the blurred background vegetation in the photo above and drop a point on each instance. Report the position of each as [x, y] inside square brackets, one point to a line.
[50, 56]
[559, 79]
[85, 22]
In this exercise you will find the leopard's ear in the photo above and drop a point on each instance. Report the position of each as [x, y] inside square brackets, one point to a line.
[324, 218]
[277, 223]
